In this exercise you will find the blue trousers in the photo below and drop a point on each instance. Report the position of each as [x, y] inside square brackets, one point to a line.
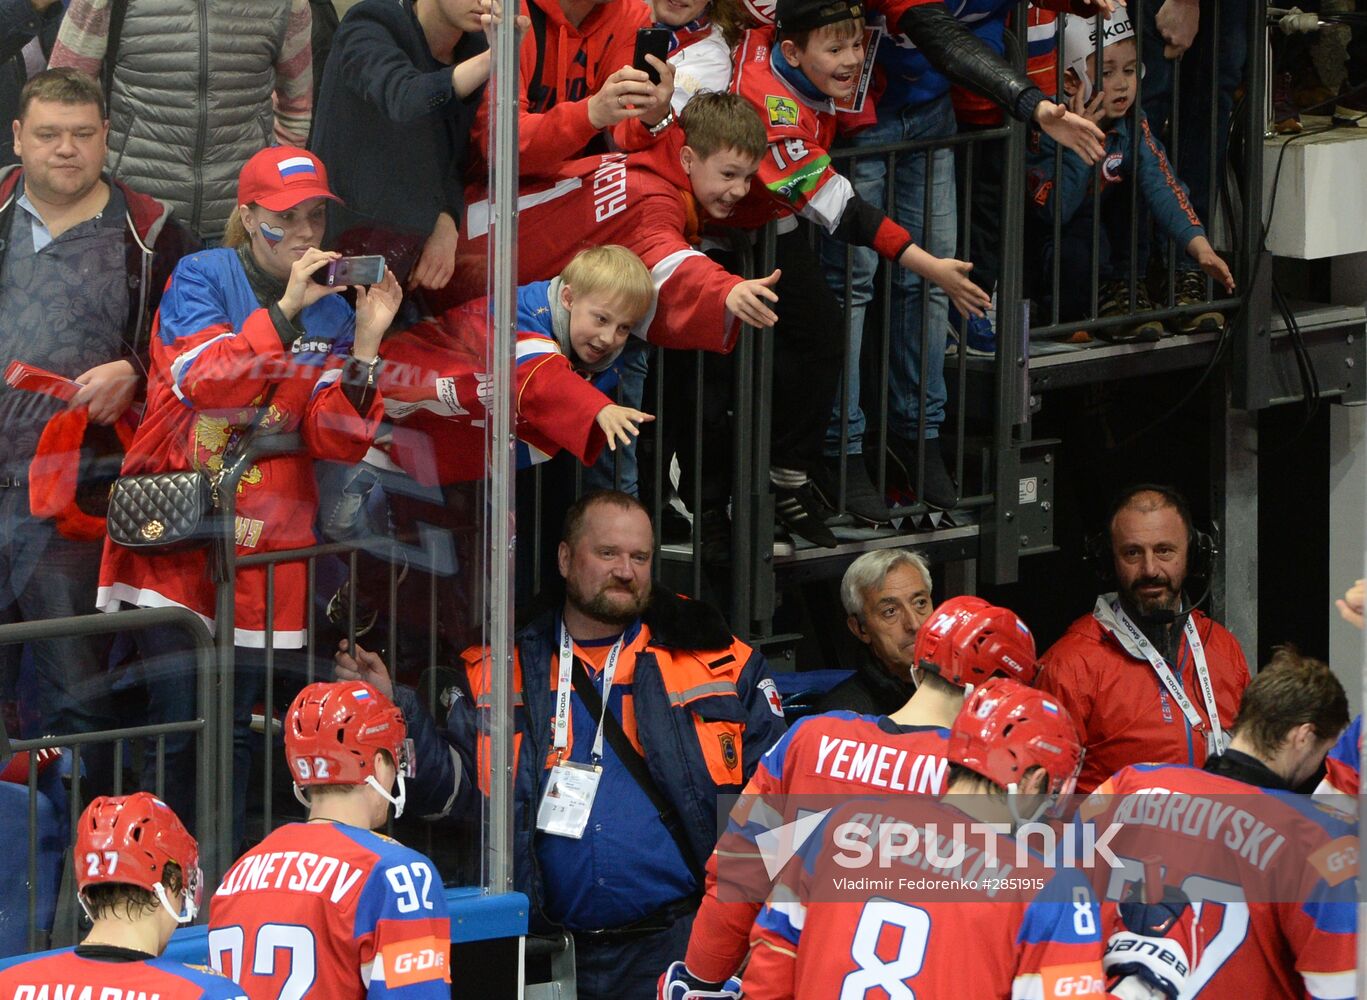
[917, 348]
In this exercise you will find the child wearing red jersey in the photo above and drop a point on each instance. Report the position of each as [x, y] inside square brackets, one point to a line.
[571, 331]
[328, 908]
[137, 875]
[964, 642]
[793, 74]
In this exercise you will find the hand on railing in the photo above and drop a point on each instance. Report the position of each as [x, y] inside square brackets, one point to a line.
[951, 275]
[1067, 129]
[365, 666]
[1211, 262]
[748, 301]
[1177, 22]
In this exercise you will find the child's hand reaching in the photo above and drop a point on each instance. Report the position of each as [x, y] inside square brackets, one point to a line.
[951, 275]
[1211, 262]
[621, 423]
[1091, 110]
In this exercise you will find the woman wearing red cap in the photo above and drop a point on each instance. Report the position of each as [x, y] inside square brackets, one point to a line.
[242, 328]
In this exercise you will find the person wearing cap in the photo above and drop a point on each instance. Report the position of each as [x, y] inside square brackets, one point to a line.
[137, 879]
[362, 915]
[1105, 92]
[929, 47]
[245, 336]
[83, 261]
[794, 74]
[964, 642]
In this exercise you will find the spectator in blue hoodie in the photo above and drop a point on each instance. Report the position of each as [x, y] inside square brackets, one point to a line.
[1108, 98]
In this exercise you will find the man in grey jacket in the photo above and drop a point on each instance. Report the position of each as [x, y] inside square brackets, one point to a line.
[192, 91]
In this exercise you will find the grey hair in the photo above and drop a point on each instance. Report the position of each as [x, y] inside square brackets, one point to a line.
[869, 570]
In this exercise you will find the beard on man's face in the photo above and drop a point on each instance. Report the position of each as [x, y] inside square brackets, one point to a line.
[615, 603]
[1168, 599]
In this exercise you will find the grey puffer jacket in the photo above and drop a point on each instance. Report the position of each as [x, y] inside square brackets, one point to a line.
[191, 100]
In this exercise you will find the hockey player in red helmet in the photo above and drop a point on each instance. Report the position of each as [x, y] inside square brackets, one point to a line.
[137, 878]
[1034, 930]
[363, 914]
[964, 642]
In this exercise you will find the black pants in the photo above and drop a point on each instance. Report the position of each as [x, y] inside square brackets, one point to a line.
[809, 353]
[985, 216]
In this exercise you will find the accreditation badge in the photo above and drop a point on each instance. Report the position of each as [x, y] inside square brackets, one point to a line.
[568, 799]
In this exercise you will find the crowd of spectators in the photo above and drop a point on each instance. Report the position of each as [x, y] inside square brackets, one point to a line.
[161, 250]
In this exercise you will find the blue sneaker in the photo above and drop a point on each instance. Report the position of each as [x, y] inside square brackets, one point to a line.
[980, 336]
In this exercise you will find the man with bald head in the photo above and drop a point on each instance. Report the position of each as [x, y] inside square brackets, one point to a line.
[1145, 676]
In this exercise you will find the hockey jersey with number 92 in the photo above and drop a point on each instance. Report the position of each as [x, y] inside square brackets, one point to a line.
[332, 912]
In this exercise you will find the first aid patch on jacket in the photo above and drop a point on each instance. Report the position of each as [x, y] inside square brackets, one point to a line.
[782, 110]
[769, 689]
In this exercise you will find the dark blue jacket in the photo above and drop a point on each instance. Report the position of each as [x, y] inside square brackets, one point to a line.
[1163, 192]
[706, 711]
[388, 126]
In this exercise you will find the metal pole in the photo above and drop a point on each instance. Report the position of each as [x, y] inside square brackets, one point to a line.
[500, 512]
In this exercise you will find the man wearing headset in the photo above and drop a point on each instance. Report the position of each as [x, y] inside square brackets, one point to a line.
[1144, 676]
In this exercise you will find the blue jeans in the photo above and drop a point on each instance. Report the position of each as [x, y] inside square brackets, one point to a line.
[1191, 154]
[909, 344]
[44, 575]
[603, 474]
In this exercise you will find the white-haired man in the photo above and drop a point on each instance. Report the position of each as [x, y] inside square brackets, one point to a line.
[886, 594]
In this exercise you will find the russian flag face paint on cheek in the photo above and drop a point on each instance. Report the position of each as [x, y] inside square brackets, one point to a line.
[271, 234]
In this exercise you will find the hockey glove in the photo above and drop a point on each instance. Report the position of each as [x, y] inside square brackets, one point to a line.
[679, 984]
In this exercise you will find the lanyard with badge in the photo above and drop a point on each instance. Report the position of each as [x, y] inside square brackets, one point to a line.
[1215, 737]
[571, 787]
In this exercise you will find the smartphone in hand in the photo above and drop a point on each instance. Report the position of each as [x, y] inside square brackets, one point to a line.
[367, 270]
[652, 42]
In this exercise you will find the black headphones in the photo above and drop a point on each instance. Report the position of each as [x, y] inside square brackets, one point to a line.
[1202, 547]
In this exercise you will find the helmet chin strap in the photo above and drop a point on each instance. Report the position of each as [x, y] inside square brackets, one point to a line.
[1012, 797]
[396, 800]
[298, 794]
[188, 913]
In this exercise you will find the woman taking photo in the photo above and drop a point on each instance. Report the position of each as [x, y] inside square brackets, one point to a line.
[247, 342]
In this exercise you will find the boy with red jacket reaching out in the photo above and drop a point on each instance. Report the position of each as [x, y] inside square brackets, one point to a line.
[794, 74]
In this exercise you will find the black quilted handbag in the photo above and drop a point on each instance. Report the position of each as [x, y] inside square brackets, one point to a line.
[162, 511]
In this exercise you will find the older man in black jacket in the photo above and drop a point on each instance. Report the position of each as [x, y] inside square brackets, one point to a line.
[399, 94]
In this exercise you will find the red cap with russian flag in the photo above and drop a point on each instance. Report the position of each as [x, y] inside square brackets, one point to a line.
[280, 177]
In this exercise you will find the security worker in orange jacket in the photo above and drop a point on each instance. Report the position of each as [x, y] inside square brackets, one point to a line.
[613, 819]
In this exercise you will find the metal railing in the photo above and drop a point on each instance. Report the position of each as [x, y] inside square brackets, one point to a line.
[214, 854]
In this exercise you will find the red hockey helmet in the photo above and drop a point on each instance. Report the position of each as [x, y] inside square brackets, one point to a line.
[332, 732]
[1006, 728]
[966, 641]
[129, 840]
